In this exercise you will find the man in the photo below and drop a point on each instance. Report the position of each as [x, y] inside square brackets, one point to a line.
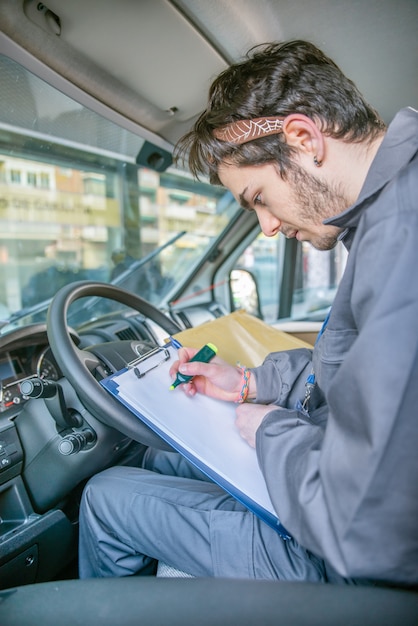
[335, 429]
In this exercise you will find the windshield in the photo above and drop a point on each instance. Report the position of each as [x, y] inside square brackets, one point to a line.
[75, 204]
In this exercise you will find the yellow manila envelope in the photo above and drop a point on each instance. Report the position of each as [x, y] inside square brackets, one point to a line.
[240, 337]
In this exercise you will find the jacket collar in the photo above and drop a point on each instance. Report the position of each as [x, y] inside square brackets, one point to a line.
[396, 150]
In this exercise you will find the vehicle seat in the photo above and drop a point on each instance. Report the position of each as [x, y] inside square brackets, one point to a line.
[167, 571]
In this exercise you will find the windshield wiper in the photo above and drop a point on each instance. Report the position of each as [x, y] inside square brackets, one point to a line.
[29, 310]
[140, 262]
[42, 306]
[92, 302]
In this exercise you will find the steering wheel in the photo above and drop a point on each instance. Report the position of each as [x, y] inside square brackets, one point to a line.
[78, 365]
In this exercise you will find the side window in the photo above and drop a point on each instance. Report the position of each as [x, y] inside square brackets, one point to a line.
[260, 263]
[317, 276]
[293, 280]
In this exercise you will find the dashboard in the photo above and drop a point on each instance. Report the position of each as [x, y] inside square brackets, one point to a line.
[25, 352]
[22, 364]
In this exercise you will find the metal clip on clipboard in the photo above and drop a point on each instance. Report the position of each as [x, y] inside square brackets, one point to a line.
[153, 359]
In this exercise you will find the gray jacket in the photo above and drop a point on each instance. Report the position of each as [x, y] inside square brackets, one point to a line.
[343, 477]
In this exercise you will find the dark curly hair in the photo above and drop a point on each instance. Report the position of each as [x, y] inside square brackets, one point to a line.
[276, 79]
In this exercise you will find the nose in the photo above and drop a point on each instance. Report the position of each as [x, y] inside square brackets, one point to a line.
[270, 225]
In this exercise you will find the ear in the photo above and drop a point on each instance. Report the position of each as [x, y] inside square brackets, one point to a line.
[303, 134]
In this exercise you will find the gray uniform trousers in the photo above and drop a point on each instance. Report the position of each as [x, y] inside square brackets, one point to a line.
[167, 510]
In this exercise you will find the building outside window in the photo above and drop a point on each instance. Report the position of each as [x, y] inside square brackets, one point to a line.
[31, 179]
[15, 176]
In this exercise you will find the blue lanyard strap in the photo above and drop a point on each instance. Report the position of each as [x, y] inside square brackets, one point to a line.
[323, 327]
[310, 381]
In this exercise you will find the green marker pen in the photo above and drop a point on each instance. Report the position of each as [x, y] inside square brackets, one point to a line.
[204, 355]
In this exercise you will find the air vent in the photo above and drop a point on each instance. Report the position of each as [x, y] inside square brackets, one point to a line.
[184, 319]
[126, 334]
[217, 311]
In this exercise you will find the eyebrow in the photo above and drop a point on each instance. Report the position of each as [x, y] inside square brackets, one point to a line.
[243, 200]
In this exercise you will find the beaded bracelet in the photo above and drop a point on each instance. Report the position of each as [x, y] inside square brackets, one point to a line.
[243, 394]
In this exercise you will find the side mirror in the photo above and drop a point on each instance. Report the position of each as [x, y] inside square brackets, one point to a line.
[244, 291]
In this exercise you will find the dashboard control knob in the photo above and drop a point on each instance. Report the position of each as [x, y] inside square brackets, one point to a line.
[38, 388]
[75, 442]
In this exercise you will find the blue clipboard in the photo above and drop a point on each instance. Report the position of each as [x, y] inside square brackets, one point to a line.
[200, 428]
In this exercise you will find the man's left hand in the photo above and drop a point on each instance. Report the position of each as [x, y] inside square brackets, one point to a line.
[249, 418]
